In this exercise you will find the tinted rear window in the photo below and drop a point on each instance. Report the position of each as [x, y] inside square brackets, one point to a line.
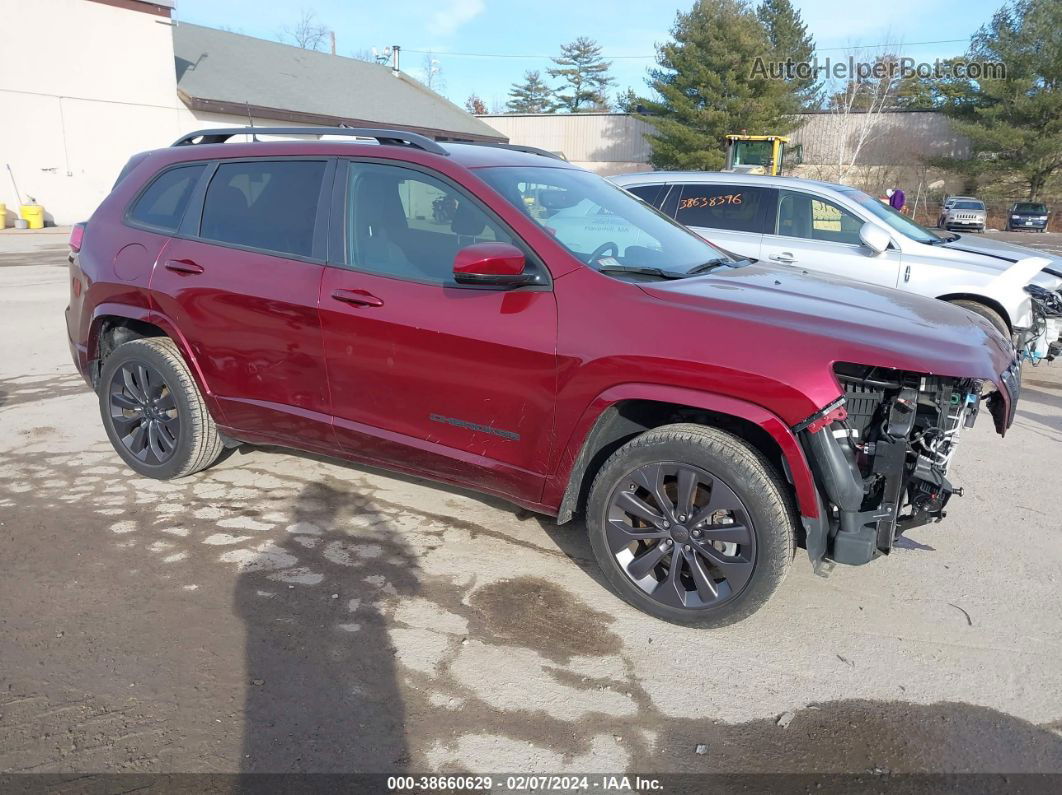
[732, 207]
[162, 205]
[270, 205]
[650, 194]
[1038, 209]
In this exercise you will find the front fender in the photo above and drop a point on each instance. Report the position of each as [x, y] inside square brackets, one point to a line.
[564, 485]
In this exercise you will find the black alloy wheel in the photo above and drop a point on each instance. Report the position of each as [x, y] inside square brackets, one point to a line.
[691, 524]
[681, 535]
[144, 412]
[153, 412]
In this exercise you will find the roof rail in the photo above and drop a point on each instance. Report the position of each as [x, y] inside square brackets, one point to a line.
[531, 150]
[383, 136]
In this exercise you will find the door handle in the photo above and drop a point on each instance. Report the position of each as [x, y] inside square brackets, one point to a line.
[183, 266]
[785, 257]
[357, 297]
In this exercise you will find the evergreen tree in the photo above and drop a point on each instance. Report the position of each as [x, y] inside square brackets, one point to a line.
[530, 96]
[1014, 119]
[791, 43]
[916, 92]
[709, 87]
[585, 75]
[627, 101]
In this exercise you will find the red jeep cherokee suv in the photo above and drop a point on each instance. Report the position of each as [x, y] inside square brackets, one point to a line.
[496, 318]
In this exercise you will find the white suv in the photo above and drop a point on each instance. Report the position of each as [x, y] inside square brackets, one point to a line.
[963, 213]
[827, 228]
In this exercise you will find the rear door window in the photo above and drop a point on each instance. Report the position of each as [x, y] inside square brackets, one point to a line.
[162, 205]
[269, 205]
[733, 207]
[814, 218]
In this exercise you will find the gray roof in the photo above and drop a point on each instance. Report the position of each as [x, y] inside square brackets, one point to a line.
[224, 72]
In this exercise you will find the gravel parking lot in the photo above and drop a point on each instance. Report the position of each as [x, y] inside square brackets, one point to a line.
[281, 612]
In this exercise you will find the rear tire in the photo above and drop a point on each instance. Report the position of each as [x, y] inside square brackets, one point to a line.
[987, 312]
[153, 412]
[729, 525]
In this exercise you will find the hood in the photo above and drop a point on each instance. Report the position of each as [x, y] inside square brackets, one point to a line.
[998, 254]
[848, 320]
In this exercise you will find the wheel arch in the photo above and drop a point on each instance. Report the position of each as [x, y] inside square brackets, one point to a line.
[622, 413]
[113, 324]
[991, 303]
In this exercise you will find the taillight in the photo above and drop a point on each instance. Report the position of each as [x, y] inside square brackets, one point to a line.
[77, 234]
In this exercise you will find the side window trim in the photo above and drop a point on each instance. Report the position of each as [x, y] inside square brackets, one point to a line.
[669, 202]
[192, 226]
[127, 216]
[769, 217]
[338, 250]
[193, 215]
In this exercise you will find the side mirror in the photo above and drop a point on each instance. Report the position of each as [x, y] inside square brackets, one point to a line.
[874, 237]
[494, 264]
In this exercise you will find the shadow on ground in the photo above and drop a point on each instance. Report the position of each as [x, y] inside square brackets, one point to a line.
[322, 694]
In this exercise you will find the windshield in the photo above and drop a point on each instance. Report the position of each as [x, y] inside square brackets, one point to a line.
[968, 206]
[752, 153]
[601, 224]
[899, 222]
[1024, 207]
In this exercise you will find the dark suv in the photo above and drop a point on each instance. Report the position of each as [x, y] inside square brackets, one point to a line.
[1027, 215]
[409, 303]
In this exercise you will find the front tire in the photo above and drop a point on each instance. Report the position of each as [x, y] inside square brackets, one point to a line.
[988, 313]
[691, 525]
[153, 412]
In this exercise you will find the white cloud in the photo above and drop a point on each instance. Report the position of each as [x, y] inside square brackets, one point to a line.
[455, 14]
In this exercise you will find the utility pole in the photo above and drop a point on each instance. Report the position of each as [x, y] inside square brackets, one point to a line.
[332, 33]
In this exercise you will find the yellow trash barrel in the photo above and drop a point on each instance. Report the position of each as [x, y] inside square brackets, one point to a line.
[3, 215]
[33, 215]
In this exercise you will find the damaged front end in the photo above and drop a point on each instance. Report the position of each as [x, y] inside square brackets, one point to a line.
[1044, 339]
[880, 454]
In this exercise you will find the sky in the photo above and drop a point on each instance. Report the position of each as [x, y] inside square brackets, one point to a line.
[483, 46]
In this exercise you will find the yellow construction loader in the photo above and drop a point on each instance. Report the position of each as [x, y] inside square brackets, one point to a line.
[757, 154]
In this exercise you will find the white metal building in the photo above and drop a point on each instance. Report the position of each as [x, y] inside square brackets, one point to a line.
[614, 143]
[607, 143]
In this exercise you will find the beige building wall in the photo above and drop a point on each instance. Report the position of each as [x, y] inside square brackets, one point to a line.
[84, 85]
[607, 143]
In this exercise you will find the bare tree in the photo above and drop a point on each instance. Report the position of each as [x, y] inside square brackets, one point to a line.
[308, 32]
[475, 105]
[433, 76]
[855, 111]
